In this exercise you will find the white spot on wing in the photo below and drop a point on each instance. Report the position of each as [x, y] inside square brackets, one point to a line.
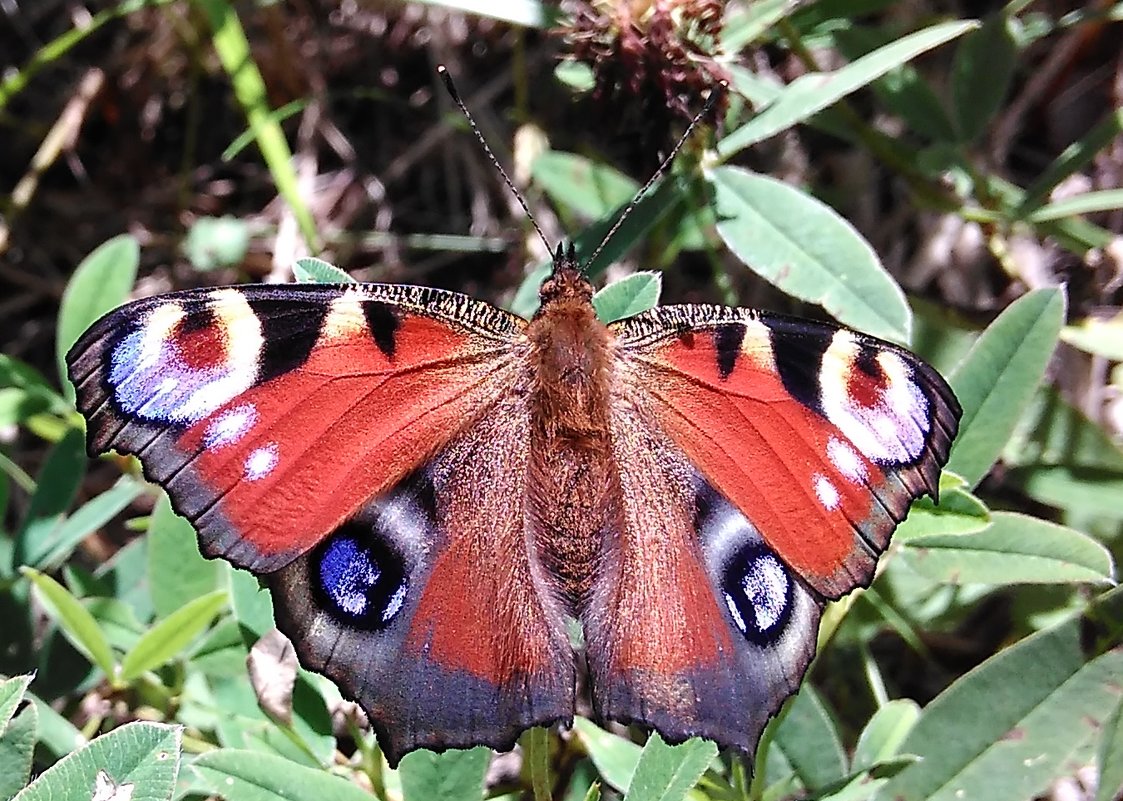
[766, 587]
[733, 610]
[846, 460]
[230, 426]
[826, 492]
[261, 461]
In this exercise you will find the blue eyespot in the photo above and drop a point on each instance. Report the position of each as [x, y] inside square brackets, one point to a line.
[758, 592]
[359, 580]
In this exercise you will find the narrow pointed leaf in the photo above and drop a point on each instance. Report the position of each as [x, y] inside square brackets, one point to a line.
[813, 92]
[56, 486]
[168, 638]
[999, 376]
[74, 620]
[810, 742]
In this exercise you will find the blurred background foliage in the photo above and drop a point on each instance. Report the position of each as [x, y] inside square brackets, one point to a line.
[941, 174]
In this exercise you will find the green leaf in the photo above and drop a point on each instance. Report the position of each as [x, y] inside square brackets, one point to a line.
[214, 242]
[981, 74]
[318, 271]
[1097, 337]
[1013, 549]
[535, 744]
[56, 486]
[456, 775]
[87, 519]
[1083, 489]
[810, 252]
[1109, 759]
[1085, 203]
[168, 638]
[1008, 728]
[1071, 160]
[903, 89]
[279, 115]
[11, 694]
[959, 512]
[75, 621]
[997, 379]
[614, 757]
[882, 736]
[1052, 432]
[177, 572]
[577, 75]
[668, 772]
[252, 604]
[17, 747]
[809, 740]
[813, 92]
[100, 283]
[590, 189]
[144, 755]
[745, 24]
[18, 404]
[629, 296]
[254, 776]
[234, 52]
[57, 735]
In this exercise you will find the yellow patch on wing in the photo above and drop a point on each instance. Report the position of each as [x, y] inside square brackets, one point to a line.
[345, 316]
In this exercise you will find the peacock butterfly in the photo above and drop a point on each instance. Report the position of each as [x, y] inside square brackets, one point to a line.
[433, 488]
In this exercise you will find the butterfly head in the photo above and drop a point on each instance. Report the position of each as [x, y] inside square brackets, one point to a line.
[567, 280]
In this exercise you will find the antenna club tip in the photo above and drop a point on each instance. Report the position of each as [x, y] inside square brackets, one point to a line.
[442, 70]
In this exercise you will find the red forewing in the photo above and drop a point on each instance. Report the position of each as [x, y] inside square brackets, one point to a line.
[820, 436]
[272, 414]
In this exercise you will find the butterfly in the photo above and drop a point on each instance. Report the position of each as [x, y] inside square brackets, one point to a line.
[434, 490]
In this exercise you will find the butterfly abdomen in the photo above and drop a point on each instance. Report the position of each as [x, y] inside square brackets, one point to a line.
[571, 468]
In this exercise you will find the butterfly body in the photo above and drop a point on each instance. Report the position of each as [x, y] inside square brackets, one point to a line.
[434, 488]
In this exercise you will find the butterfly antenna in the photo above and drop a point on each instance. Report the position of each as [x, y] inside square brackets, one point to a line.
[659, 173]
[451, 87]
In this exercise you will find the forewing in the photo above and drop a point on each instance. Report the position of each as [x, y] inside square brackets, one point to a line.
[820, 436]
[429, 608]
[271, 414]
